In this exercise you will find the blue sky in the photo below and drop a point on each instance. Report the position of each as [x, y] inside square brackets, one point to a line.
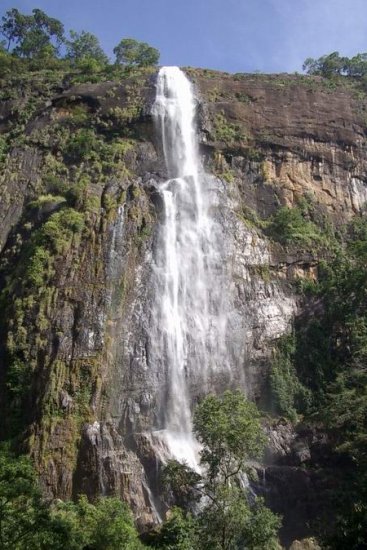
[229, 35]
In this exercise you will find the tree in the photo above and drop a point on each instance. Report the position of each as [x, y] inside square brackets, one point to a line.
[229, 430]
[229, 522]
[105, 525]
[85, 45]
[133, 53]
[14, 26]
[9, 64]
[357, 65]
[24, 518]
[292, 226]
[27, 521]
[181, 481]
[230, 433]
[36, 35]
[333, 64]
[178, 532]
[327, 65]
[329, 358]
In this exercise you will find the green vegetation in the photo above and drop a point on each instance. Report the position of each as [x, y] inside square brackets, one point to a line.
[303, 225]
[30, 36]
[339, 72]
[83, 171]
[291, 226]
[84, 46]
[81, 145]
[27, 521]
[50, 240]
[107, 524]
[22, 513]
[37, 41]
[333, 64]
[320, 373]
[288, 392]
[80, 152]
[32, 274]
[226, 131]
[229, 430]
[132, 53]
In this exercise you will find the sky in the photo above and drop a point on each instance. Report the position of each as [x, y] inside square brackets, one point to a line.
[227, 35]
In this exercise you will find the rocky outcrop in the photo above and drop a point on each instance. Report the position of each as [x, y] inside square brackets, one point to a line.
[308, 135]
[92, 393]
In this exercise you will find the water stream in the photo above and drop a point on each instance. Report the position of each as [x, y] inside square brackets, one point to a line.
[189, 318]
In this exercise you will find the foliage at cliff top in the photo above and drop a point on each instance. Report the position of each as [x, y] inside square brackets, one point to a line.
[131, 52]
[36, 35]
[333, 64]
[39, 37]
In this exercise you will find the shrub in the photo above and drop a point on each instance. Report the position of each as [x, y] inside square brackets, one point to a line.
[225, 131]
[38, 267]
[289, 226]
[81, 145]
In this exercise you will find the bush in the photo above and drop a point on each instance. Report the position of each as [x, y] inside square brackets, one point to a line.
[178, 532]
[289, 226]
[59, 228]
[81, 145]
[106, 524]
[225, 131]
[38, 267]
[24, 517]
[9, 64]
[3, 148]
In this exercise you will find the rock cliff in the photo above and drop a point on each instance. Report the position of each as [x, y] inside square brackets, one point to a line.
[79, 212]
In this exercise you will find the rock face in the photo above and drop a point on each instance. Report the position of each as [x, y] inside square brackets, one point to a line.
[298, 479]
[91, 396]
[312, 137]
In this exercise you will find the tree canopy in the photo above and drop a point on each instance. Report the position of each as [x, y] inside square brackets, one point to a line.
[335, 65]
[20, 503]
[229, 431]
[84, 45]
[132, 53]
[27, 521]
[39, 36]
[35, 35]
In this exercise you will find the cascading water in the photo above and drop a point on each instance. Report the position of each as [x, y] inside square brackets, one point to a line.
[189, 319]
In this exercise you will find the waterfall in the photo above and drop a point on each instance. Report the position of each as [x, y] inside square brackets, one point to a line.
[188, 318]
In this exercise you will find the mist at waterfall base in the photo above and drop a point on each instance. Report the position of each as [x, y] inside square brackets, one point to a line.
[189, 320]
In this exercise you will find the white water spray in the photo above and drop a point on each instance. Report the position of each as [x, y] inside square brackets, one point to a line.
[188, 335]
